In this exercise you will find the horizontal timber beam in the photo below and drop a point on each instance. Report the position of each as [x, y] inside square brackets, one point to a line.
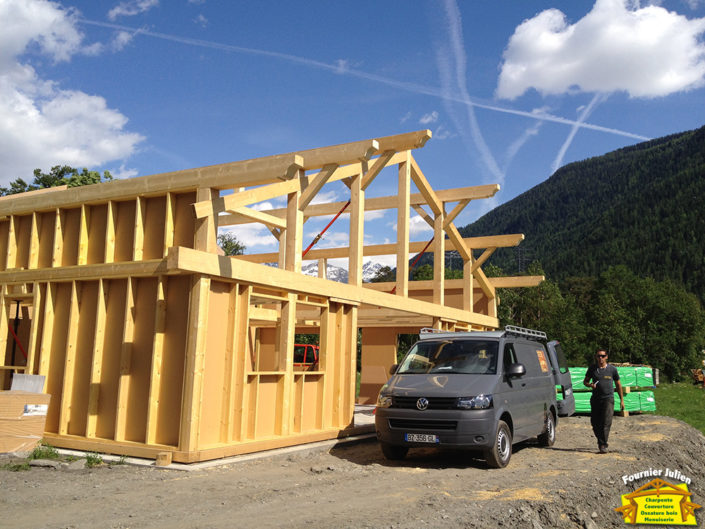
[188, 260]
[226, 176]
[378, 203]
[490, 241]
[153, 267]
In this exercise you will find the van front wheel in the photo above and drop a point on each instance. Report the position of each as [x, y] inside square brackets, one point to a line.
[548, 437]
[498, 455]
[393, 452]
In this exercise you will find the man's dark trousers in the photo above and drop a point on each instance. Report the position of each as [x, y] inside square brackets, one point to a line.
[601, 412]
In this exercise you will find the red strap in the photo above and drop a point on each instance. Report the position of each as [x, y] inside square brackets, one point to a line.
[18, 341]
[318, 237]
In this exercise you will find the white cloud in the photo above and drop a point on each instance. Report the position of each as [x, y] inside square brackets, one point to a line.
[416, 225]
[256, 237]
[121, 39]
[41, 124]
[131, 8]
[618, 46]
[406, 117]
[431, 117]
[201, 21]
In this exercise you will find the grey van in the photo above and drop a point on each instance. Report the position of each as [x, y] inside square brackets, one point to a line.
[476, 390]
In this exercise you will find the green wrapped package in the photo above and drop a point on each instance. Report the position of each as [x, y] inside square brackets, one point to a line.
[648, 401]
[644, 377]
[627, 376]
[582, 402]
[632, 402]
[577, 375]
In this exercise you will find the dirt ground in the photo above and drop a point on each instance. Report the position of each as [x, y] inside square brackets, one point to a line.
[352, 485]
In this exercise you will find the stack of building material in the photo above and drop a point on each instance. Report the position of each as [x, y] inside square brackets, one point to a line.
[22, 418]
[635, 381]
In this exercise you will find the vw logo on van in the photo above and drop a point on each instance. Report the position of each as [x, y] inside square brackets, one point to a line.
[422, 403]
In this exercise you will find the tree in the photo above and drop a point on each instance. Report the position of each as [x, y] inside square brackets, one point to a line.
[230, 245]
[59, 175]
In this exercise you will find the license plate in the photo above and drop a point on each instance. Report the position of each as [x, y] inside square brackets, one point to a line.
[420, 438]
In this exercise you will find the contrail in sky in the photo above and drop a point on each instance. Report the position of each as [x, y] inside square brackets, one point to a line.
[596, 100]
[341, 70]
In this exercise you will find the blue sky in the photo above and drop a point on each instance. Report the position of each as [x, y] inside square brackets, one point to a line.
[511, 90]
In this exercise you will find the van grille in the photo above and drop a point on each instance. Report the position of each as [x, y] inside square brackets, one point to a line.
[415, 424]
[434, 403]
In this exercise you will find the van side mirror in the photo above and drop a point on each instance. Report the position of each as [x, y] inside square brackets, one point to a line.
[393, 369]
[516, 370]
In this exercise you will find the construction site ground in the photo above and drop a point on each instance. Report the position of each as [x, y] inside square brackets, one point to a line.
[351, 485]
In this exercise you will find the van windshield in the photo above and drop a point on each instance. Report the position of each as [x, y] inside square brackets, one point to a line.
[471, 357]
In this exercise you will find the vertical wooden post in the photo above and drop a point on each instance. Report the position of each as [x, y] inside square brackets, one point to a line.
[323, 268]
[468, 283]
[97, 361]
[169, 223]
[34, 326]
[357, 231]
[206, 228]
[47, 331]
[439, 259]
[34, 242]
[403, 205]
[58, 254]
[195, 363]
[110, 232]
[138, 248]
[128, 337]
[286, 333]
[294, 232]
[70, 360]
[155, 377]
[12, 242]
[83, 234]
[237, 404]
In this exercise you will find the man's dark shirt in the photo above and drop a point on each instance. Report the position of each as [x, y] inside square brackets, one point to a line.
[604, 376]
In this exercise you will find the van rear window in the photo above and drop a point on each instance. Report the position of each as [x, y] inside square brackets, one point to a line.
[471, 357]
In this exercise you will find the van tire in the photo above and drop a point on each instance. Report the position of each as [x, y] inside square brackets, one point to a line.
[548, 437]
[499, 454]
[394, 452]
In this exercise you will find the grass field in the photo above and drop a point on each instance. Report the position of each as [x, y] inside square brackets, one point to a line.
[683, 401]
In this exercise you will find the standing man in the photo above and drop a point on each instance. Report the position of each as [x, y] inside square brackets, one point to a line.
[600, 377]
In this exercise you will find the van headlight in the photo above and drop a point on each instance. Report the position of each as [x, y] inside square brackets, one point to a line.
[384, 401]
[480, 402]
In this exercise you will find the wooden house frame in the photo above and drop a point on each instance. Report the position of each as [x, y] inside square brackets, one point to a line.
[152, 341]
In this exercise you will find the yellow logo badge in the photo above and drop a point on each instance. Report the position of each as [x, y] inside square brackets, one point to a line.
[659, 502]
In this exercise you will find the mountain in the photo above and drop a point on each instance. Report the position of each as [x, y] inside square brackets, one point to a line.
[641, 206]
[335, 273]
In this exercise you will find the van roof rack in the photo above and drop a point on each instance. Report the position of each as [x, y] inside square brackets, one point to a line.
[521, 331]
[425, 330]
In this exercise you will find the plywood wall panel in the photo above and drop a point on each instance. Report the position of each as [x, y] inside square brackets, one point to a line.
[97, 222]
[216, 373]
[61, 306]
[173, 355]
[23, 231]
[145, 300]
[124, 230]
[110, 362]
[184, 219]
[154, 220]
[45, 230]
[70, 229]
[88, 300]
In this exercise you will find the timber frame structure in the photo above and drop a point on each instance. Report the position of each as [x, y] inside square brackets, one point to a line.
[152, 341]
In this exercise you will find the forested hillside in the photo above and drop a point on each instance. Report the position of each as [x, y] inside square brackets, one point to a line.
[641, 206]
